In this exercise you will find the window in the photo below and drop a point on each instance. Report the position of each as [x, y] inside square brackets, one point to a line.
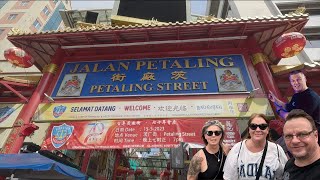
[55, 19]
[46, 11]
[12, 17]
[1, 31]
[24, 3]
[37, 24]
[2, 3]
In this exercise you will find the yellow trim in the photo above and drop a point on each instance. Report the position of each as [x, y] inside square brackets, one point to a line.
[258, 58]
[285, 69]
[23, 79]
[50, 68]
[123, 20]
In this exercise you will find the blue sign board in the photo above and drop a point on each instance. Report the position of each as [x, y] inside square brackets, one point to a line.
[154, 77]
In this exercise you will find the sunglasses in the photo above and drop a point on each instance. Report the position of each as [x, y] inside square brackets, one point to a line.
[216, 133]
[261, 126]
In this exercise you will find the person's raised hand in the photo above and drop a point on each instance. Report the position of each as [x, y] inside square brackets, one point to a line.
[271, 96]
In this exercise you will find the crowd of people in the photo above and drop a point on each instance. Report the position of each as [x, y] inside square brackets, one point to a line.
[256, 156]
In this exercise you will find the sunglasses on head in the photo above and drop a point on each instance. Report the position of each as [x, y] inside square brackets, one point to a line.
[216, 133]
[255, 126]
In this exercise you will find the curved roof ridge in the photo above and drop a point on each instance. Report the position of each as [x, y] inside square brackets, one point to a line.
[102, 27]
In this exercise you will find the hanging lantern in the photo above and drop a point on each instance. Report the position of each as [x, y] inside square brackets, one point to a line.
[122, 170]
[131, 172]
[18, 57]
[138, 172]
[125, 170]
[166, 172]
[289, 44]
[153, 172]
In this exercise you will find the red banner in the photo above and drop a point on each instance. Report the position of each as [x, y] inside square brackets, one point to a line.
[118, 134]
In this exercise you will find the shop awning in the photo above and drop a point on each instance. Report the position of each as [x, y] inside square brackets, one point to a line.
[36, 166]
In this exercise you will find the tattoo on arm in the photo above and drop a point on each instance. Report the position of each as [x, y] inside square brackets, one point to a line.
[195, 166]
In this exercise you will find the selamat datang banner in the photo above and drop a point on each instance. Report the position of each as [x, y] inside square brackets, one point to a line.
[118, 134]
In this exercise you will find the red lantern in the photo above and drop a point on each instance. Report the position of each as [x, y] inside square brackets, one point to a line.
[18, 57]
[131, 172]
[125, 170]
[153, 172]
[166, 172]
[122, 170]
[138, 172]
[289, 44]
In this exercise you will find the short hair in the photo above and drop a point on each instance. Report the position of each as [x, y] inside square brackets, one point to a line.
[295, 72]
[254, 115]
[299, 113]
[207, 125]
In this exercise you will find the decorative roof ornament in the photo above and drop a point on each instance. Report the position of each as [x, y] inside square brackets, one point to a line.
[153, 22]
[15, 31]
[86, 26]
[299, 10]
[208, 18]
[129, 22]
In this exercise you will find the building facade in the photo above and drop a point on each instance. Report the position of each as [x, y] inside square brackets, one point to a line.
[236, 9]
[17, 84]
[149, 86]
[144, 86]
[29, 16]
[308, 60]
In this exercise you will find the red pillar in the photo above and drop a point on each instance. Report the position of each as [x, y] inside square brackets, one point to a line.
[117, 163]
[85, 162]
[259, 61]
[23, 121]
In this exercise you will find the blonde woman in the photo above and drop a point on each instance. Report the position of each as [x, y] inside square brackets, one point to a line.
[208, 162]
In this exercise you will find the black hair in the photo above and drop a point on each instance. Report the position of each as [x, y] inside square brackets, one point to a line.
[299, 113]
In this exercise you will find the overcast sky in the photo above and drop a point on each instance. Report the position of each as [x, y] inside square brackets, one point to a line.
[197, 6]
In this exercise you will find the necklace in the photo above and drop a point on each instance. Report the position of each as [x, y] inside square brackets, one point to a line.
[218, 158]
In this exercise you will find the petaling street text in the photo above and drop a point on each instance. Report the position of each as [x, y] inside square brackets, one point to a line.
[149, 87]
[153, 65]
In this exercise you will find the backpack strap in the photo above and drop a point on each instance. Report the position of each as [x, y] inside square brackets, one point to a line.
[262, 161]
[239, 150]
[238, 157]
[278, 152]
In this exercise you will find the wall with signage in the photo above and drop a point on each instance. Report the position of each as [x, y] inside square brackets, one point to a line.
[158, 76]
[117, 134]
[236, 107]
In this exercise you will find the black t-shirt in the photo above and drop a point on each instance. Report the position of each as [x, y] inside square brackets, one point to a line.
[214, 166]
[309, 101]
[309, 172]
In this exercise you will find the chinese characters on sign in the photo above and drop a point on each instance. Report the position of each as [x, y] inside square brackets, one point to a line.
[159, 76]
[239, 107]
[157, 133]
